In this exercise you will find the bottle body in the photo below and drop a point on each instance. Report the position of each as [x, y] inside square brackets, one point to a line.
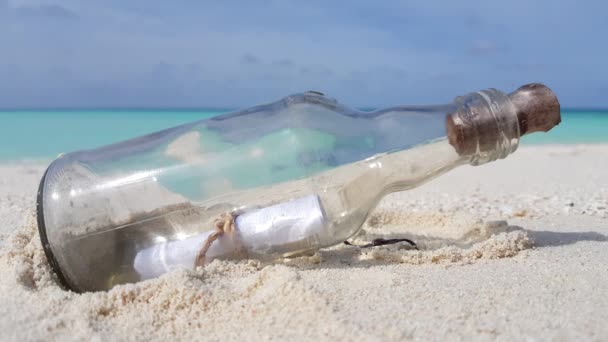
[299, 174]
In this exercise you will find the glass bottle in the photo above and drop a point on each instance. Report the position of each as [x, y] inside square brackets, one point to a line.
[274, 180]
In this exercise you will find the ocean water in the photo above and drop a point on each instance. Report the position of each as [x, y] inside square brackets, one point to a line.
[43, 134]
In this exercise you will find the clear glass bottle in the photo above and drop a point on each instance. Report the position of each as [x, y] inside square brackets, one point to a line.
[295, 175]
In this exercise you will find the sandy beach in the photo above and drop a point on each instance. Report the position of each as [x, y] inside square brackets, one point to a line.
[512, 250]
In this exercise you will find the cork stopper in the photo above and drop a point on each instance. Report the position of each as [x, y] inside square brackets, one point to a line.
[488, 117]
[537, 108]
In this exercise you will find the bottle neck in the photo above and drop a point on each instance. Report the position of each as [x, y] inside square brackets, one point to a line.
[368, 181]
[481, 127]
[484, 126]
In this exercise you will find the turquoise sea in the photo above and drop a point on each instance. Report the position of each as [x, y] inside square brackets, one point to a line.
[43, 134]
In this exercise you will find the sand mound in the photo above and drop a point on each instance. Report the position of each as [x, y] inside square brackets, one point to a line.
[440, 239]
[209, 302]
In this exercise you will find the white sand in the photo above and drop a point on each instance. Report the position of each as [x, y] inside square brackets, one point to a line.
[542, 276]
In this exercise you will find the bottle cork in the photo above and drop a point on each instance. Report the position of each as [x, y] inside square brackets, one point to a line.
[537, 108]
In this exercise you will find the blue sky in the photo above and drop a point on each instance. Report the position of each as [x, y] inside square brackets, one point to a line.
[146, 53]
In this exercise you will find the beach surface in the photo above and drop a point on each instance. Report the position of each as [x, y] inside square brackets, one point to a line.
[512, 250]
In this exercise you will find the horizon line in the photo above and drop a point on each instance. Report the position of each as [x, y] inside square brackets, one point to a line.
[207, 109]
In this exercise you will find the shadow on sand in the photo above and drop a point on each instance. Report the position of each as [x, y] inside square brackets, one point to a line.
[545, 238]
